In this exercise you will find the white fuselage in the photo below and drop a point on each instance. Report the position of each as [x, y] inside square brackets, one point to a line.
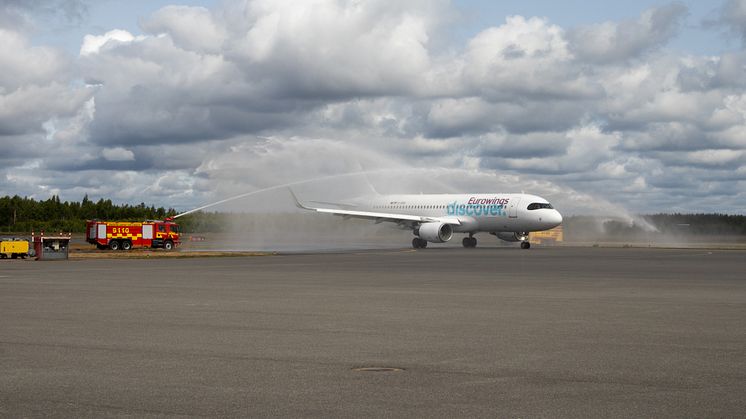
[475, 212]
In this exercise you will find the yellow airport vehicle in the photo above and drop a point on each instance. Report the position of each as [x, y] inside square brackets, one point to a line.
[14, 248]
[555, 235]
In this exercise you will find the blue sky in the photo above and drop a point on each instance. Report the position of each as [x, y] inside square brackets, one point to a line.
[693, 38]
[104, 15]
[637, 104]
[101, 17]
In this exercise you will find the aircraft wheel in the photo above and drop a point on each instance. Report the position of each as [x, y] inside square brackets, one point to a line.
[418, 243]
[469, 242]
[525, 245]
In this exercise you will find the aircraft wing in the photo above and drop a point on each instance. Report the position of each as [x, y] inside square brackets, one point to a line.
[378, 217]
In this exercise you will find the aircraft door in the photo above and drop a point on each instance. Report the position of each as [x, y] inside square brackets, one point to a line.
[513, 207]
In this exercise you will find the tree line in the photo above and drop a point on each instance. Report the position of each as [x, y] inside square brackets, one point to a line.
[675, 224]
[23, 215]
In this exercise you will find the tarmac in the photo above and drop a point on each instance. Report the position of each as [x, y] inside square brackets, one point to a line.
[449, 332]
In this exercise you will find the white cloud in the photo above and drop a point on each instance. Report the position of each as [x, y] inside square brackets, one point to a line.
[93, 44]
[716, 158]
[24, 64]
[218, 101]
[118, 154]
[615, 41]
[192, 28]
[527, 57]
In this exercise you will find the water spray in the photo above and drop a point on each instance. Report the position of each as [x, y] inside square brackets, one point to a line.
[274, 188]
[301, 182]
[598, 204]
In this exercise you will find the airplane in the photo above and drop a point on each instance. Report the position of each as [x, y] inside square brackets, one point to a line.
[434, 218]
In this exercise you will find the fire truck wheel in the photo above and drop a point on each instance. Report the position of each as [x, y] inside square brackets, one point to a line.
[126, 245]
[114, 245]
[168, 245]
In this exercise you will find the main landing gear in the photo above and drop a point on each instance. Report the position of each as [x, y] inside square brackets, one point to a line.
[419, 243]
[525, 245]
[469, 242]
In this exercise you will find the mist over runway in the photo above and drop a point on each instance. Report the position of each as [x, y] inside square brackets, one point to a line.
[561, 332]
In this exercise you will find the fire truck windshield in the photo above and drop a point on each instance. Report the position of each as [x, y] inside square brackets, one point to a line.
[174, 228]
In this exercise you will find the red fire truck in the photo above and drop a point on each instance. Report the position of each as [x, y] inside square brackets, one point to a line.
[125, 235]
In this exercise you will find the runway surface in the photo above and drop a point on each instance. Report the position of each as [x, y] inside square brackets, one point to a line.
[486, 332]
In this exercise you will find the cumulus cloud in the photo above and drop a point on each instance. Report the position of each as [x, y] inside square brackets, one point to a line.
[330, 48]
[38, 100]
[92, 44]
[526, 58]
[118, 154]
[618, 41]
[209, 102]
[191, 28]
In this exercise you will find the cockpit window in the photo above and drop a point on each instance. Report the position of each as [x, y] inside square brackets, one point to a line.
[539, 205]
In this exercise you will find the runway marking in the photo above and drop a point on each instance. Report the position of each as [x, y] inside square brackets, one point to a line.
[386, 252]
[378, 369]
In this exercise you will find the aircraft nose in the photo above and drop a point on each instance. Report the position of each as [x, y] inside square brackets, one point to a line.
[556, 218]
[553, 219]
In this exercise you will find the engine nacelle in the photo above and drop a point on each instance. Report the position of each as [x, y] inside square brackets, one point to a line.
[435, 232]
[512, 237]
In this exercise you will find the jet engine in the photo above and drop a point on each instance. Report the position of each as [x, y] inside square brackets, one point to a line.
[512, 237]
[435, 232]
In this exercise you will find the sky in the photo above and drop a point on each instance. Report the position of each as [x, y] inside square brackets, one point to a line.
[638, 104]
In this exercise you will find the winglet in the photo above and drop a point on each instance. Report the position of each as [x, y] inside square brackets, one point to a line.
[297, 202]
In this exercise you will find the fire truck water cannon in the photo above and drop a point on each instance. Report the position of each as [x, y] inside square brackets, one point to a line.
[125, 235]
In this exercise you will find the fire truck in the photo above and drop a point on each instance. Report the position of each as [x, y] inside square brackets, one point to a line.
[124, 235]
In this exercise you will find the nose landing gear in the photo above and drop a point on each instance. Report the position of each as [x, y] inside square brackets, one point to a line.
[469, 242]
[525, 245]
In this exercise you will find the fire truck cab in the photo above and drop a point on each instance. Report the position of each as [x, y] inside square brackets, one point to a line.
[124, 235]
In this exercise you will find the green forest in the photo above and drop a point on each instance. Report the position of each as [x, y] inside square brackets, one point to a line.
[23, 215]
